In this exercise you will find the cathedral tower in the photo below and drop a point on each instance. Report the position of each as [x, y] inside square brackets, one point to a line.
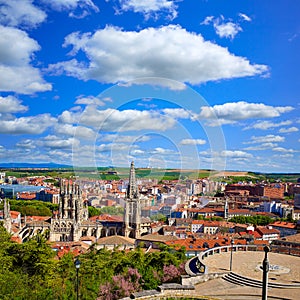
[226, 209]
[132, 220]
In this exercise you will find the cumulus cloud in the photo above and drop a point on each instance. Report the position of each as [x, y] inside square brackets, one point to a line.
[54, 142]
[218, 122]
[27, 125]
[115, 120]
[79, 132]
[263, 146]
[20, 13]
[16, 72]
[227, 29]
[76, 8]
[178, 113]
[192, 142]
[288, 130]
[89, 100]
[150, 8]
[197, 60]
[242, 110]
[162, 151]
[10, 104]
[264, 125]
[266, 139]
[235, 154]
[27, 144]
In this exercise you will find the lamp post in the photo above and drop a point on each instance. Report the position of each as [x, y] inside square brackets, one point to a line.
[77, 266]
[265, 274]
[231, 248]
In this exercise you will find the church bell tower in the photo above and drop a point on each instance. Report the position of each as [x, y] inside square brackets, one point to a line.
[132, 220]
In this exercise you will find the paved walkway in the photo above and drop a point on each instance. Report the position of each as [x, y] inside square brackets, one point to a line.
[287, 270]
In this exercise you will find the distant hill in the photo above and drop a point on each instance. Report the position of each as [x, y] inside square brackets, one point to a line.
[33, 166]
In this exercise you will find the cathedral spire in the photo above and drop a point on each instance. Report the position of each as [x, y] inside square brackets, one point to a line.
[132, 189]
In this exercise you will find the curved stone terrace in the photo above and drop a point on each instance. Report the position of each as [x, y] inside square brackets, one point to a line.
[285, 269]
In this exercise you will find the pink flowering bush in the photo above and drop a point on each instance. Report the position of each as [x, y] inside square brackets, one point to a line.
[170, 273]
[121, 285]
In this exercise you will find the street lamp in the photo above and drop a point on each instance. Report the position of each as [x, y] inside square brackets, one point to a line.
[231, 243]
[266, 267]
[77, 266]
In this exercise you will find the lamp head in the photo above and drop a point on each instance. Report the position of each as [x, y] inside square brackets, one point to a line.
[77, 263]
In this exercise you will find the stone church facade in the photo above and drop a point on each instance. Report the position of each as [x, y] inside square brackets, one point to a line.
[71, 222]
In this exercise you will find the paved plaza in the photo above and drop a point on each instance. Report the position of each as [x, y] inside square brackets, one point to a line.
[284, 269]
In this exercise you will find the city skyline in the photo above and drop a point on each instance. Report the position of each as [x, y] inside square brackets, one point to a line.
[170, 84]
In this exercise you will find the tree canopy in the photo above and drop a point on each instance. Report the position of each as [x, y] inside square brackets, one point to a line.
[32, 271]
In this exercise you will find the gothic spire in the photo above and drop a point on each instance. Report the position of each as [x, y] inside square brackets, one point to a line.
[132, 189]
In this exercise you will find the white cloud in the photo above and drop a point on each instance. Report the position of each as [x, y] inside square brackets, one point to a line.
[79, 132]
[27, 125]
[288, 130]
[235, 154]
[263, 146]
[227, 29]
[245, 17]
[266, 139]
[162, 151]
[20, 12]
[281, 149]
[207, 20]
[242, 110]
[89, 100]
[16, 72]
[10, 104]
[196, 60]
[54, 142]
[178, 113]
[150, 8]
[192, 142]
[77, 8]
[264, 125]
[27, 144]
[69, 117]
[137, 152]
[219, 122]
[115, 120]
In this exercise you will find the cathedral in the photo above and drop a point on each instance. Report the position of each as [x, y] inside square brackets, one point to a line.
[71, 222]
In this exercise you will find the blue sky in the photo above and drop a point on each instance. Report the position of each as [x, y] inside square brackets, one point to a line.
[173, 84]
